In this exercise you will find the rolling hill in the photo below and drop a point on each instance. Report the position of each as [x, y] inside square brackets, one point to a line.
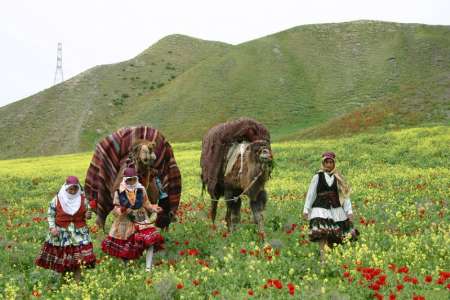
[312, 80]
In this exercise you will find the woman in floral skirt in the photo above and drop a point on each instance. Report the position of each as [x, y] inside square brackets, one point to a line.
[68, 244]
[132, 231]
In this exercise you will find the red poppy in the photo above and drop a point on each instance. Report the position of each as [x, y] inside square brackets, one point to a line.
[403, 269]
[445, 275]
[392, 296]
[177, 243]
[375, 286]
[392, 267]
[448, 286]
[180, 286]
[414, 280]
[428, 278]
[193, 252]
[181, 252]
[418, 297]
[203, 263]
[186, 243]
[195, 282]
[93, 204]
[382, 279]
[400, 287]
[277, 284]
[346, 274]
[265, 286]
[243, 251]
[291, 288]
[215, 293]
[36, 294]
[251, 293]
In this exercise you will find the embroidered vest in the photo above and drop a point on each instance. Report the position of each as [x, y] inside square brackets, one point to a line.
[327, 196]
[63, 219]
[124, 202]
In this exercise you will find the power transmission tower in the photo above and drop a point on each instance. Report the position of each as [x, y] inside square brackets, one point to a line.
[59, 72]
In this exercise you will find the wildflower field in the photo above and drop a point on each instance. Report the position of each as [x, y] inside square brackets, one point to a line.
[400, 183]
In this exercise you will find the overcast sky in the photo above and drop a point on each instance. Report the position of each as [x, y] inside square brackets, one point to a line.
[95, 32]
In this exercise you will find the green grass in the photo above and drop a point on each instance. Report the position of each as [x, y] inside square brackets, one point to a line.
[292, 81]
[400, 187]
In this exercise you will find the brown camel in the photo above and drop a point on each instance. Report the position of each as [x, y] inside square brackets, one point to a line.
[247, 168]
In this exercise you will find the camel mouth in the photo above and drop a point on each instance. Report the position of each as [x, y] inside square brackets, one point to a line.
[265, 156]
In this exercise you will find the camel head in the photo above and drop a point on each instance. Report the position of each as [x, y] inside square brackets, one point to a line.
[262, 154]
[142, 153]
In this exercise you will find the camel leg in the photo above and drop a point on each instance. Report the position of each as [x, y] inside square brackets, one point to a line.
[214, 204]
[228, 195]
[258, 205]
[235, 207]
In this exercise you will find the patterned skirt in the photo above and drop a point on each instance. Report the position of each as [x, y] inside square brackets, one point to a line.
[66, 258]
[135, 245]
[330, 231]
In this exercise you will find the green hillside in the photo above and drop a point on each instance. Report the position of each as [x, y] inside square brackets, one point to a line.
[299, 82]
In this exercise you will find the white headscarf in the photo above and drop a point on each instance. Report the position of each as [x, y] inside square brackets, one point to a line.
[130, 187]
[69, 203]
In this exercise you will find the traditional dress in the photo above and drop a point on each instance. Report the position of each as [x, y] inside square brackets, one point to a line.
[328, 206]
[72, 246]
[132, 231]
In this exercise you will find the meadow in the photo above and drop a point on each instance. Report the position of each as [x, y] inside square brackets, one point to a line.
[400, 181]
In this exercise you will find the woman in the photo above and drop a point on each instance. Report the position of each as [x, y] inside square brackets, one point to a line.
[68, 244]
[328, 207]
[132, 232]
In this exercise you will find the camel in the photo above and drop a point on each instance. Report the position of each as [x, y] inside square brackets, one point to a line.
[247, 175]
[237, 160]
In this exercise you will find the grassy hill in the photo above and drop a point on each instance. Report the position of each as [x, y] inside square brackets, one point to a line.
[400, 202]
[306, 81]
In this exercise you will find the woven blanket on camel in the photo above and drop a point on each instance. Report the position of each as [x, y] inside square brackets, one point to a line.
[215, 145]
[112, 153]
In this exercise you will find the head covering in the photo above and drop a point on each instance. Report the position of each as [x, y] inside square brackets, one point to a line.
[343, 187]
[328, 155]
[70, 203]
[129, 173]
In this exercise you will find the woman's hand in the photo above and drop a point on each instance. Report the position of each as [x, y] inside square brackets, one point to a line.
[54, 231]
[305, 216]
[350, 217]
[88, 214]
[155, 208]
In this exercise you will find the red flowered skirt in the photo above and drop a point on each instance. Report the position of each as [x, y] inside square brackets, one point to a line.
[67, 258]
[135, 245]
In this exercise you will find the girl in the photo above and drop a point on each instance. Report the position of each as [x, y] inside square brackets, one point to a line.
[132, 232]
[68, 244]
[328, 206]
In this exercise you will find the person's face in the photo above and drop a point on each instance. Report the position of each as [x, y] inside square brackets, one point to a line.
[73, 189]
[328, 164]
[131, 181]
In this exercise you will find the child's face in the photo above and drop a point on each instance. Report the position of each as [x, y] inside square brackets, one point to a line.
[328, 164]
[73, 189]
[131, 181]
